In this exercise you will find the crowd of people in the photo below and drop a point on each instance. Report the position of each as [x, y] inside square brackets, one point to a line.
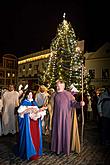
[51, 111]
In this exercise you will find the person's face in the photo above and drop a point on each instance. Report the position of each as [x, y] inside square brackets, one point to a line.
[42, 90]
[60, 86]
[30, 95]
[11, 88]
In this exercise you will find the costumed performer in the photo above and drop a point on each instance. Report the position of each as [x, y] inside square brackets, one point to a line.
[30, 128]
[64, 102]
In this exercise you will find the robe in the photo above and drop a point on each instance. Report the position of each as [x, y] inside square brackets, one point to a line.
[1, 106]
[62, 122]
[10, 101]
[30, 135]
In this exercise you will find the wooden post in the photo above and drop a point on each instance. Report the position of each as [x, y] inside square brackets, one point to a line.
[82, 112]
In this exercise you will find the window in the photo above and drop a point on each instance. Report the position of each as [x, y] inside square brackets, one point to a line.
[1, 82]
[13, 81]
[13, 74]
[8, 74]
[8, 81]
[36, 67]
[24, 68]
[35, 75]
[20, 70]
[92, 73]
[105, 73]
[108, 51]
[9, 64]
[1, 74]
[30, 66]
[26, 72]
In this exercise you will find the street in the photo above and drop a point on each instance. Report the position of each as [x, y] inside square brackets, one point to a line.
[92, 153]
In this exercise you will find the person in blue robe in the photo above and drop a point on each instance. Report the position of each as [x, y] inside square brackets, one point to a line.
[30, 130]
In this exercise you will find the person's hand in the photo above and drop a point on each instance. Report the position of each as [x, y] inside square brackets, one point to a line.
[43, 108]
[32, 109]
[82, 103]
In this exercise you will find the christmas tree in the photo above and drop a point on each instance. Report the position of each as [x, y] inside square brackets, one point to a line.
[66, 59]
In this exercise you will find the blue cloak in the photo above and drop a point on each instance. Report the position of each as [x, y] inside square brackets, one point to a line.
[26, 146]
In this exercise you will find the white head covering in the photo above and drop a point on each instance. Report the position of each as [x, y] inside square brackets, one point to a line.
[73, 89]
[20, 87]
[26, 87]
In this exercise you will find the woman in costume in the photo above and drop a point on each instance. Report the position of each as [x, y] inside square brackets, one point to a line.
[30, 128]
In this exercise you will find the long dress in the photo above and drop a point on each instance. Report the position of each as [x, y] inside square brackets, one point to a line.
[1, 106]
[50, 110]
[62, 120]
[30, 135]
[10, 101]
[42, 99]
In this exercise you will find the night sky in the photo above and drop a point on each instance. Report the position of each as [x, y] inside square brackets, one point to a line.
[27, 27]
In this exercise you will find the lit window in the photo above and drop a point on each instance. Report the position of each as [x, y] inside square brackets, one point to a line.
[24, 68]
[30, 66]
[8, 74]
[13, 75]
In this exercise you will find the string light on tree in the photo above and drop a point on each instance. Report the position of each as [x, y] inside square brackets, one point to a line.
[66, 57]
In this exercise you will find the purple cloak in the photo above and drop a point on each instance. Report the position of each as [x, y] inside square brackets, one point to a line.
[62, 120]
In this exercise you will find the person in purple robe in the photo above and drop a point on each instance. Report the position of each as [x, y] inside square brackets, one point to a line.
[64, 102]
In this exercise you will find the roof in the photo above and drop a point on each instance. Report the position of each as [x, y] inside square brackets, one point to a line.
[102, 52]
[34, 54]
[12, 56]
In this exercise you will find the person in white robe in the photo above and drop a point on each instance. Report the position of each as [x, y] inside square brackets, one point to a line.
[1, 106]
[10, 101]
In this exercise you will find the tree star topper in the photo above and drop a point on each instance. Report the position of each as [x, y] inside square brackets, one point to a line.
[64, 15]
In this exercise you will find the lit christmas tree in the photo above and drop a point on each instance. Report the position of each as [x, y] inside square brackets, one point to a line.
[66, 59]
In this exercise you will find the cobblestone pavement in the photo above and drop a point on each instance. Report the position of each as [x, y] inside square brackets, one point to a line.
[92, 153]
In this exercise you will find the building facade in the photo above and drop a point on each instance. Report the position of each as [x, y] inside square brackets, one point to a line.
[8, 70]
[98, 65]
[31, 67]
